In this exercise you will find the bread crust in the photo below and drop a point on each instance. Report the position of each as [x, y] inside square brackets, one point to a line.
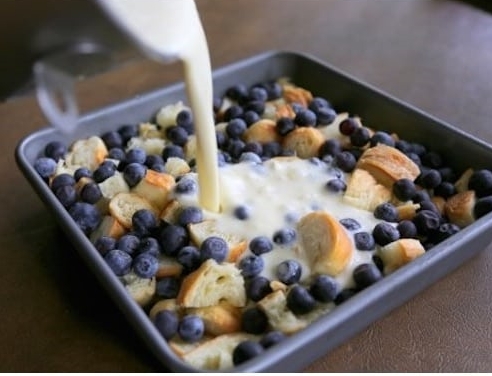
[459, 208]
[219, 319]
[364, 192]
[304, 141]
[400, 252]
[263, 131]
[156, 188]
[123, 205]
[325, 243]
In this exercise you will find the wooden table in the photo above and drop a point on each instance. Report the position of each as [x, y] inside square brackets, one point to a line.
[434, 54]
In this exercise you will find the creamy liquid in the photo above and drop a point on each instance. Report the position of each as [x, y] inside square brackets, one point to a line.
[171, 29]
[277, 194]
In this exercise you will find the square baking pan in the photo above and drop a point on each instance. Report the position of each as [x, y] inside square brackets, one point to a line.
[346, 94]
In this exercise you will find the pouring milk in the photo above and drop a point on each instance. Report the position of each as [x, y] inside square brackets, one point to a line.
[168, 30]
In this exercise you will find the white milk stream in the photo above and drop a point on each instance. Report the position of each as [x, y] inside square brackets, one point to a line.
[168, 30]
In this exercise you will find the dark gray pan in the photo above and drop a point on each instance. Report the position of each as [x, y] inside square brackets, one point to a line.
[378, 110]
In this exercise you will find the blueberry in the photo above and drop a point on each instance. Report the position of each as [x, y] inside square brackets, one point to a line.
[250, 157]
[418, 149]
[350, 224]
[145, 265]
[285, 125]
[271, 149]
[120, 262]
[184, 119]
[345, 161]
[387, 212]
[253, 147]
[360, 136]
[172, 150]
[91, 193]
[55, 150]
[186, 185]
[364, 241]
[482, 206]
[154, 160]
[447, 174]
[237, 92]
[86, 216]
[191, 328]
[245, 351]
[134, 173]
[241, 212]
[330, 147]
[420, 196]
[144, 222]
[289, 272]
[407, 229]
[384, 233]
[251, 117]
[251, 266]
[429, 205]
[260, 245]
[61, 180]
[257, 93]
[257, 288]
[189, 215]
[273, 88]
[189, 257]
[366, 274]
[430, 179]
[127, 132]
[344, 295]
[167, 287]
[284, 236]
[233, 112]
[112, 139]
[172, 238]
[305, 118]
[256, 106]
[348, 126]
[45, 167]
[235, 147]
[444, 231]
[481, 182]
[177, 135]
[404, 189]
[324, 288]
[336, 185]
[128, 243]
[104, 244]
[299, 300]
[432, 159]
[445, 190]
[235, 128]
[104, 171]
[318, 103]
[67, 195]
[136, 155]
[166, 322]
[254, 321]
[149, 245]
[215, 248]
[426, 221]
[82, 172]
[381, 137]
[325, 116]
[117, 154]
[272, 338]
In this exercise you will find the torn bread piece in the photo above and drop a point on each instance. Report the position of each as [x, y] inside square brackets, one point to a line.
[387, 164]
[156, 188]
[109, 226]
[202, 230]
[280, 317]
[162, 305]
[304, 141]
[295, 94]
[459, 208]
[123, 205]
[219, 319]
[400, 252]
[168, 267]
[88, 153]
[364, 192]
[325, 243]
[211, 284]
[142, 290]
[263, 131]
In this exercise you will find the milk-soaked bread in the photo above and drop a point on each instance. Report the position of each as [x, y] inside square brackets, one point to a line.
[211, 284]
[124, 205]
[399, 253]
[216, 354]
[364, 192]
[387, 164]
[459, 208]
[304, 141]
[88, 153]
[325, 243]
[202, 230]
